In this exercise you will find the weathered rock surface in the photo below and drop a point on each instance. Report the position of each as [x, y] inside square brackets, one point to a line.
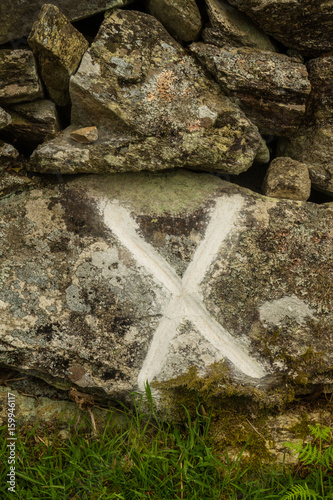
[312, 143]
[320, 107]
[33, 122]
[181, 18]
[153, 105]
[18, 16]
[19, 79]
[59, 48]
[287, 178]
[111, 280]
[230, 27]
[270, 88]
[5, 118]
[305, 25]
[7, 154]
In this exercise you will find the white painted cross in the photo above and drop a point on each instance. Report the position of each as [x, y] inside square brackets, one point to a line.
[185, 300]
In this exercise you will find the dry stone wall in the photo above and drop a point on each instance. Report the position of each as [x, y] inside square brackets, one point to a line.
[154, 268]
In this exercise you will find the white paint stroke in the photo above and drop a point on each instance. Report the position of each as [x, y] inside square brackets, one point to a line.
[185, 302]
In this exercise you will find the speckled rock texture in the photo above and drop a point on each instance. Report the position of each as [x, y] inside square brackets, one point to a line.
[7, 154]
[305, 25]
[287, 178]
[270, 88]
[18, 16]
[33, 122]
[5, 118]
[107, 281]
[312, 143]
[229, 27]
[19, 80]
[181, 18]
[59, 48]
[154, 107]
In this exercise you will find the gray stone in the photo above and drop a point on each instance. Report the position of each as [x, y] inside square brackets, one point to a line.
[12, 182]
[153, 105]
[59, 48]
[313, 145]
[5, 118]
[270, 88]
[7, 154]
[18, 16]
[320, 106]
[181, 18]
[19, 79]
[287, 178]
[305, 25]
[107, 281]
[230, 27]
[33, 122]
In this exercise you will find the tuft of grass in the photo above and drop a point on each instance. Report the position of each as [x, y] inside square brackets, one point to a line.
[139, 456]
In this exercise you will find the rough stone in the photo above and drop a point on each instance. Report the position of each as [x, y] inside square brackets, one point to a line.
[19, 79]
[305, 25]
[287, 178]
[18, 16]
[107, 281]
[5, 118]
[7, 154]
[320, 105]
[270, 88]
[230, 27]
[153, 105]
[59, 48]
[313, 145]
[181, 18]
[33, 122]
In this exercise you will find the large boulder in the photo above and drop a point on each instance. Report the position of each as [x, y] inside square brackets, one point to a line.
[181, 18]
[154, 106]
[305, 25]
[109, 281]
[19, 80]
[229, 27]
[59, 48]
[270, 88]
[18, 16]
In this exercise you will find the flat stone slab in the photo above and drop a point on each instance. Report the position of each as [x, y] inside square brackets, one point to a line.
[109, 281]
[270, 88]
[19, 80]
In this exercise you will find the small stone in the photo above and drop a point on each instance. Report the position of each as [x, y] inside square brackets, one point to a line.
[33, 122]
[19, 79]
[7, 154]
[5, 118]
[59, 48]
[85, 135]
[287, 178]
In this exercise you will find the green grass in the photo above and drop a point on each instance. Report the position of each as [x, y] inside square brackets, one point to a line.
[139, 457]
